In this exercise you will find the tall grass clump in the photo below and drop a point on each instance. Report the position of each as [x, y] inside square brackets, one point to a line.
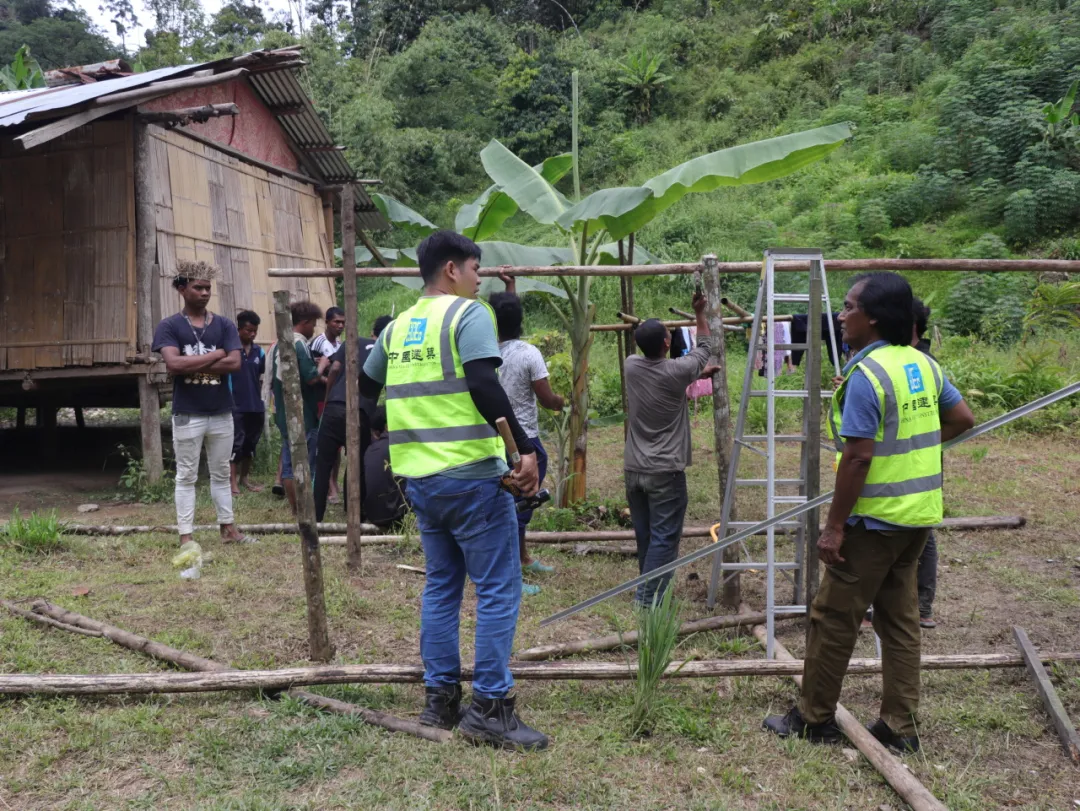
[658, 634]
[36, 534]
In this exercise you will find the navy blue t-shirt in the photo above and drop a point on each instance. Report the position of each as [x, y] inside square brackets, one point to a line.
[201, 392]
[244, 385]
[337, 393]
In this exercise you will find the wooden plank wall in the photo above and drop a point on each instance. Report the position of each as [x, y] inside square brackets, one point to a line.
[67, 259]
[214, 207]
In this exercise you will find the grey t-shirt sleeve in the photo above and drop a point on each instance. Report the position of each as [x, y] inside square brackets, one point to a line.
[688, 368]
[537, 368]
[475, 335]
[375, 365]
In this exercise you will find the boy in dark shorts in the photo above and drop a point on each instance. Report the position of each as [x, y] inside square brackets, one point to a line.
[249, 410]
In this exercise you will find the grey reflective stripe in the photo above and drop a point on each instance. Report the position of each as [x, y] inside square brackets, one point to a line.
[937, 374]
[445, 350]
[923, 484]
[919, 442]
[892, 411]
[459, 434]
[454, 385]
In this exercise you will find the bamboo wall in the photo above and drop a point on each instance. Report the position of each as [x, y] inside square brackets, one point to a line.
[214, 207]
[67, 266]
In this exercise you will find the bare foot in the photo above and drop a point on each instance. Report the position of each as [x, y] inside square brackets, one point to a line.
[254, 488]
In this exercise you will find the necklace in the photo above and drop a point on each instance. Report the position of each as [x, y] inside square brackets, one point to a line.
[194, 331]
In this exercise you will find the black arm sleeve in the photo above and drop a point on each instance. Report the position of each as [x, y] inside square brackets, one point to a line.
[369, 388]
[491, 401]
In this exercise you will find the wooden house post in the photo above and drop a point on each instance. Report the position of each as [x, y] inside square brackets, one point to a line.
[145, 268]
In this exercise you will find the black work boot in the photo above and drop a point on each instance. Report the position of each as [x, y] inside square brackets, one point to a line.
[442, 707]
[890, 740]
[493, 721]
[793, 725]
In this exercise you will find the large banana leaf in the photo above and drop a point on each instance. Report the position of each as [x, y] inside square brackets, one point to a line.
[523, 184]
[624, 210]
[482, 218]
[399, 214]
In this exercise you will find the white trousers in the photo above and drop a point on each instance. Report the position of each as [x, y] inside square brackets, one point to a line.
[189, 432]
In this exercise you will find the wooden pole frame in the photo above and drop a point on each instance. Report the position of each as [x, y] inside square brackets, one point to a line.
[1070, 741]
[811, 467]
[318, 635]
[145, 271]
[354, 463]
[683, 268]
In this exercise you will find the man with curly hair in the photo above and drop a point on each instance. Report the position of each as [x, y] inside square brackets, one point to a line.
[201, 349]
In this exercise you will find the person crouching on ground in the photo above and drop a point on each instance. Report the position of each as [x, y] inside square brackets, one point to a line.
[524, 378]
[439, 361]
[384, 493]
[249, 410]
[892, 410]
[657, 449]
[200, 349]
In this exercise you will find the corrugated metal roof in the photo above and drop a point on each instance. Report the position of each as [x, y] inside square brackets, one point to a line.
[52, 102]
[281, 90]
[277, 88]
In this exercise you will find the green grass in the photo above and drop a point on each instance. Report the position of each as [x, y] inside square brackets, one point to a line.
[35, 534]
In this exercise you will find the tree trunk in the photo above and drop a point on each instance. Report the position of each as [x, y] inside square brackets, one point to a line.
[355, 464]
[318, 636]
[581, 344]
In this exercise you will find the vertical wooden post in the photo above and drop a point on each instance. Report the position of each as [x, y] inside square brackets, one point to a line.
[812, 446]
[623, 343]
[145, 270]
[318, 635]
[352, 377]
[80, 418]
[721, 411]
[46, 425]
[20, 417]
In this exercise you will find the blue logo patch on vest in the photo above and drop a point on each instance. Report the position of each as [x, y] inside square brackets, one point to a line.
[914, 378]
[417, 330]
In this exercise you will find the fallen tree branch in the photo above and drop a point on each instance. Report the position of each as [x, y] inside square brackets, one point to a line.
[282, 529]
[208, 667]
[287, 678]
[903, 782]
[49, 621]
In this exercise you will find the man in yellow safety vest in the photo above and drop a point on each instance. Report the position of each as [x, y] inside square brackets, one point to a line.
[889, 417]
[438, 361]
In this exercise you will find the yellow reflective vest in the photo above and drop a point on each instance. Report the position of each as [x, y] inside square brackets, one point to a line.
[430, 415]
[903, 486]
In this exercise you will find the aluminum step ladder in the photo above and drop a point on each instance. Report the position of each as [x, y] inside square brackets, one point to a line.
[810, 436]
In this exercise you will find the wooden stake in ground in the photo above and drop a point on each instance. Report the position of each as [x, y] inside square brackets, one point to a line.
[318, 636]
[1070, 741]
[811, 454]
[721, 413]
[352, 376]
[903, 782]
[70, 620]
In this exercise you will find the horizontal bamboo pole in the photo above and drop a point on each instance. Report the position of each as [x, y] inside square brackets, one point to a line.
[209, 667]
[277, 529]
[588, 536]
[982, 265]
[613, 641]
[287, 678]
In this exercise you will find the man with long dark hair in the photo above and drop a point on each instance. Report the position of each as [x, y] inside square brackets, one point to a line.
[889, 416]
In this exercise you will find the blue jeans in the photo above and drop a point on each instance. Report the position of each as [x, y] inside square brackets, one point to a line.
[657, 509]
[467, 526]
[312, 439]
[525, 516]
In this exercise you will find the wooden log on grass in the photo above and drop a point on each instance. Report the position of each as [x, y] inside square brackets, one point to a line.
[265, 529]
[613, 641]
[903, 782]
[47, 621]
[318, 634]
[1070, 741]
[224, 679]
[156, 650]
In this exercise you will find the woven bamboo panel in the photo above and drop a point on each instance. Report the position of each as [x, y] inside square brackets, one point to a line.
[67, 274]
[215, 207]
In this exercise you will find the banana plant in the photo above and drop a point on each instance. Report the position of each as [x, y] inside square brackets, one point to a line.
[589, 227]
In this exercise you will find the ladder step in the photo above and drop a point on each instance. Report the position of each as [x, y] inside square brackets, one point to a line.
[792, 393]
[778, 438]
[789, 499]
[742, 567]
[764, 482]
[781, 525]
[789, 609]
[780, 347]
[791, 297]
